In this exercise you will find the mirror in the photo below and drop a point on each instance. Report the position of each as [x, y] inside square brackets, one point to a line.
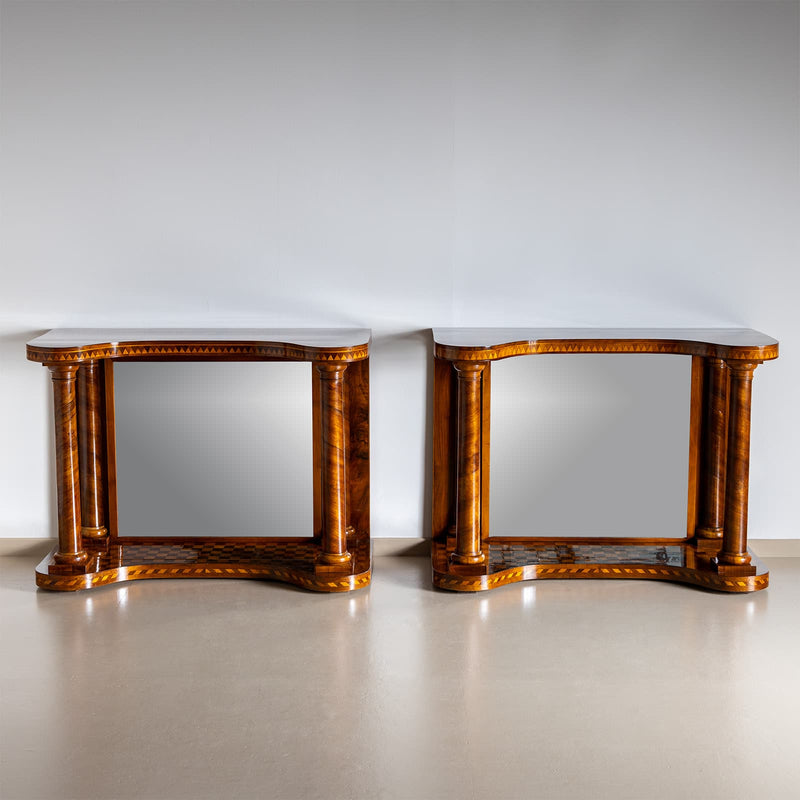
[589, 445]
[214, 448]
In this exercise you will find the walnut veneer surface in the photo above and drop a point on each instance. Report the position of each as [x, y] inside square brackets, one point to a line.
[712, 552]
[336, 555]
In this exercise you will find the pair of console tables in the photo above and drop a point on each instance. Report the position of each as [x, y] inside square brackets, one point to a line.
[713, 552]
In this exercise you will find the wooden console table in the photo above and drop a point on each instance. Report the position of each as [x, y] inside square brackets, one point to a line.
[90, 551]
[712, 554]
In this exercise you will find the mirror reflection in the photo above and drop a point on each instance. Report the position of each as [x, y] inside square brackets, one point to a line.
[214, 449]
[589, 445]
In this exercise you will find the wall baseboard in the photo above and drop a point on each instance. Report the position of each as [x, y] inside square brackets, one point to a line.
[26, 547]
[401, 546]
[391, 546]
[775, 548]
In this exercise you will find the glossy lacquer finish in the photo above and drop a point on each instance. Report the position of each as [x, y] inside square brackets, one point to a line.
[712, 553]
[336, 555]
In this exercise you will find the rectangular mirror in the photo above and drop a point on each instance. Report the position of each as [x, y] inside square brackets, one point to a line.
[214, 449]
[590, 445]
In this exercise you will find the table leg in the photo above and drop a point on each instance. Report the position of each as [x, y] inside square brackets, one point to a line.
[715, 433]
[70, 551]
[468, 465]
[734, 540]
[90, 425]
[334, 534]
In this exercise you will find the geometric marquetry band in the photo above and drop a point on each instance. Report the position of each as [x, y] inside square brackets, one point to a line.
[212, 350]
[695, 577]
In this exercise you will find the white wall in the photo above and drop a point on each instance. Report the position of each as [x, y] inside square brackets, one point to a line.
[398, 165]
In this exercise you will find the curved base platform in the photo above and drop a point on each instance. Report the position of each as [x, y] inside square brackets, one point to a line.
[509, 561]
[287, 560]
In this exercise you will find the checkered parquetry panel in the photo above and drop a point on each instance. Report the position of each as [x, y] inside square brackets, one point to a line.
[505, 556]
[296, 555]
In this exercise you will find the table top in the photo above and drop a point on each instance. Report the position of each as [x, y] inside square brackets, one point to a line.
[81, 344]
[478, 344]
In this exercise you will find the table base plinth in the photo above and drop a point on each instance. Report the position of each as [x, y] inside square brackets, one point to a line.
[290, 560]
[510, 560]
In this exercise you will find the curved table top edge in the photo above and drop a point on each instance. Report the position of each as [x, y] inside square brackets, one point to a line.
[486, 344]
[73, 345]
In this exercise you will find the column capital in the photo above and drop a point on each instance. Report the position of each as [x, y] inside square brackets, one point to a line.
[63, 372]
[741, 368]
[330, 370]
[469, 369]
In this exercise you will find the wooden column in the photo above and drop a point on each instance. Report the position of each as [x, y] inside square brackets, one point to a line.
[70, 551]
[715, 435]
[90, 436]
[734, 540]
[334, 520]
[468, 465]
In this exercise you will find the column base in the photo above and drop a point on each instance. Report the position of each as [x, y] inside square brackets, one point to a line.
[68, 563]
[456, 559]
[71, 559]
[709, 533]
[94, 533]
[708, 547]
[333, 564]
[732, 569]
[466, 570]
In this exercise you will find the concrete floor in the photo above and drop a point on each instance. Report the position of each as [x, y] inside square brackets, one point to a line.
[239, 689]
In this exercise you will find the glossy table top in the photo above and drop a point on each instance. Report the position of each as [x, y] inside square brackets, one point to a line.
[304, 337]
[491, 337]
[76, 345]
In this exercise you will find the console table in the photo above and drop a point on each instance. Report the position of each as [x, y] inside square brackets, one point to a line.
[335, 557]
[712, 554]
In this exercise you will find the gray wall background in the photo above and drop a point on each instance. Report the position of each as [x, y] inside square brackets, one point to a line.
[398, 165]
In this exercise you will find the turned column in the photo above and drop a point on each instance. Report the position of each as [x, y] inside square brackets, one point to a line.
[69, 551]
[734, 538]
[468, 464]
[334, 533]
[715, 433]
[91, 451]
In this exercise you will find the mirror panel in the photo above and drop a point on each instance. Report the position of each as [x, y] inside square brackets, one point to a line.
[214, 448]
[589, 445]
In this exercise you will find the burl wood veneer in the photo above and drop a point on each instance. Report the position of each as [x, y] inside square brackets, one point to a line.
[713, 553]
[336, 558]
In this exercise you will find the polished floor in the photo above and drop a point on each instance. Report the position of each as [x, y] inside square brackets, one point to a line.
[245, 689]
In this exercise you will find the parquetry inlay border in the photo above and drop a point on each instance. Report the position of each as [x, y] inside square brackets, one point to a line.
[254, 350]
